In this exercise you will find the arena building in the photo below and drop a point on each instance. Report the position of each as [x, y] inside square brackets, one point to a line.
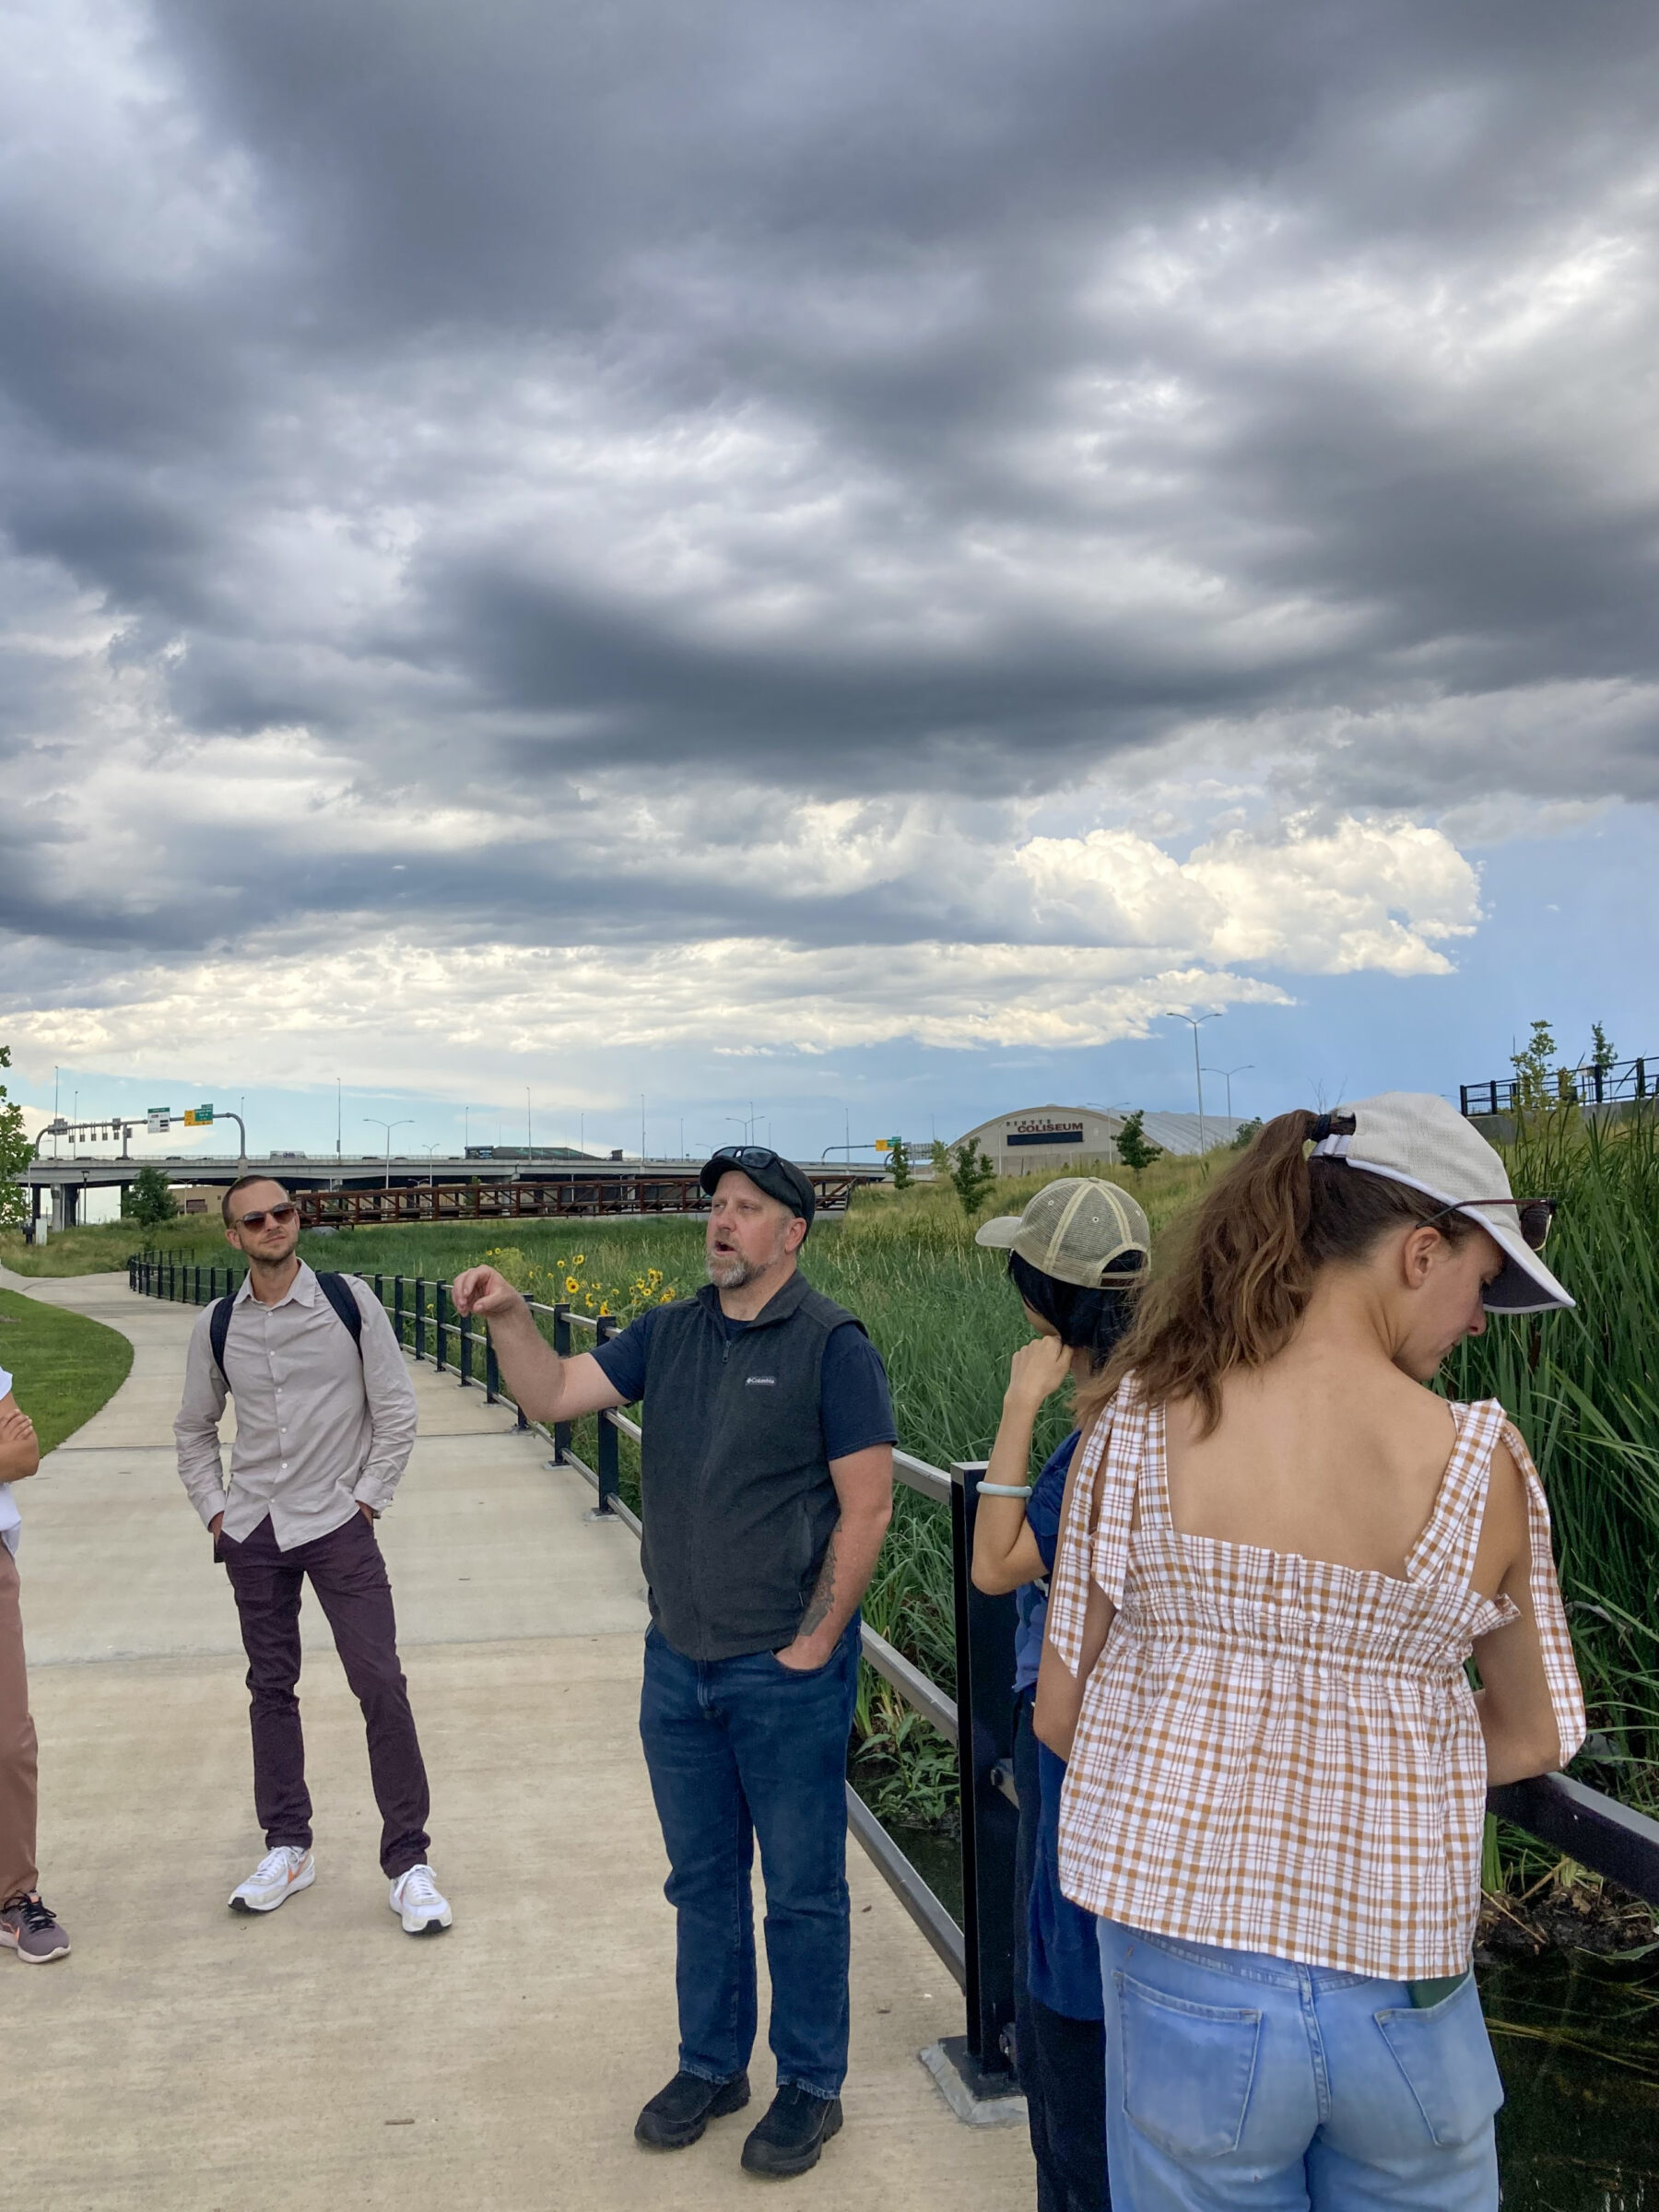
[1062, 1139]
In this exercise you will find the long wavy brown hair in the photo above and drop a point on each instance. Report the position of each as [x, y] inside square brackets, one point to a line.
[1232, 1282]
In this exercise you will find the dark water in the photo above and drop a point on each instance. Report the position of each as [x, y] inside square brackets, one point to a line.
[1577, 2040]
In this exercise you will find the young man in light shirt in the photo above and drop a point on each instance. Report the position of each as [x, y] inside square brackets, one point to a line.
[323, 1428]
[26, 1925]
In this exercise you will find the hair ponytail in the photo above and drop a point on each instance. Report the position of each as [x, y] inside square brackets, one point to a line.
[1236, 1276]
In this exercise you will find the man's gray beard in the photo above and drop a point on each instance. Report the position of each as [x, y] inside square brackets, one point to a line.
[731, 1275]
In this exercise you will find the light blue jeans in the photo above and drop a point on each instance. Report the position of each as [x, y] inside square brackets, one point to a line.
[1237, 2079]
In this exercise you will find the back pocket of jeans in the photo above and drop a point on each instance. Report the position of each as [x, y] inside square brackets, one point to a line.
[1187, 2070]
[1446, 2056]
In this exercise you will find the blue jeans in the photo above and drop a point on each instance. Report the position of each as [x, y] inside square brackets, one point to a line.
[1233, 2078]
[738, 1748]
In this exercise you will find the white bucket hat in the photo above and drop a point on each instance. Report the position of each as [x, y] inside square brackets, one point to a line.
[1420, 1140]
[1086, 1233]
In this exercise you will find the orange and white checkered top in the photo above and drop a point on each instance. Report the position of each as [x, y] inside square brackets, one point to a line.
[1279, 1754]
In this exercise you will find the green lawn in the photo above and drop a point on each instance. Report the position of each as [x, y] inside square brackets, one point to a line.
[103, 1247]
[63, 1366]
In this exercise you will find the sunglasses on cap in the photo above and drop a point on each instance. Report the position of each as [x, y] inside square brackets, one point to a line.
[283, 1213]
[749, 1156]
[1535, 1214]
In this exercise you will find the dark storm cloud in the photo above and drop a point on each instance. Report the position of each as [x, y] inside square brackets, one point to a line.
[853, 400]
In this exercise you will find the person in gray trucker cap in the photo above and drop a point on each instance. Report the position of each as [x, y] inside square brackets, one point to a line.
[1076, 1257]
[766, 1485]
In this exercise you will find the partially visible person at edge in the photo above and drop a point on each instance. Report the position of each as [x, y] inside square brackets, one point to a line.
[324, 1426]
[1075, 1257]
[766, 1487]
[1280, 1551]
[26, 1925]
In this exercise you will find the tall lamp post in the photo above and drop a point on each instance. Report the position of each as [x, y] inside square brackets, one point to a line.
[1196, 1022]
[1227, 1074]
[404, 1121]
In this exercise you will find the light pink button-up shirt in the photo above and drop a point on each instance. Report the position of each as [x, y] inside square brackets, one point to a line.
[318, 1430]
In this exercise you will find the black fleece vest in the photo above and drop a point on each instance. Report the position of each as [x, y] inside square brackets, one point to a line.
[737, 1500]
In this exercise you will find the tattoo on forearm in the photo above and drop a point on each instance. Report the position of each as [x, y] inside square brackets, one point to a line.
[823, 1596]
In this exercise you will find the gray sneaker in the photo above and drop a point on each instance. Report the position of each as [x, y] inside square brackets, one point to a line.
[31, 1928]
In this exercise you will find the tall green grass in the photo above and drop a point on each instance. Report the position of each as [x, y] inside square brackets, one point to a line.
[1581, 1386]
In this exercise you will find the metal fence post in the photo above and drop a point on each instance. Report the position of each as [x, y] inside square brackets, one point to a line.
[397, 1282]
[606, 1452]
[561, 1345]
[984, 1643]
[492, 1372]
[437, 1324]
[420, 1317]
[464, 1345]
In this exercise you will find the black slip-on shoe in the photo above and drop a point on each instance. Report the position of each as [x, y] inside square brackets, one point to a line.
[793, 2133]
[677, 2115]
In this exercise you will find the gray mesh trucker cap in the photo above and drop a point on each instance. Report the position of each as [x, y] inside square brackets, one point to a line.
[1420, 1140]
[1080, 1231]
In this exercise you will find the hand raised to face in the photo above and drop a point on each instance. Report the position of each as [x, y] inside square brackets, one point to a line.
[483, 1291]
[1038, 1369]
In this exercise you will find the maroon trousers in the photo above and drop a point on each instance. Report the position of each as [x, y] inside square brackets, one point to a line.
[350, 1577]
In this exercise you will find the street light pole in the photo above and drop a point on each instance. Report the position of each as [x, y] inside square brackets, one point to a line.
[529, 1147]
[1228, 1074]
[403, 1122]
[1196, 1023]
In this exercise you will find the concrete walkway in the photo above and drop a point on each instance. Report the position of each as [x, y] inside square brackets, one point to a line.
[188, 2059]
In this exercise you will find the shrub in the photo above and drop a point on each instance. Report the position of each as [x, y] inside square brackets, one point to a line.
[1134, 1147]
[148, 1198]
[972, 1174]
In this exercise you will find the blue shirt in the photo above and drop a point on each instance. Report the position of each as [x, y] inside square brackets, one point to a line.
[1062, 1956]
[1030, 1600]
[856, 1407]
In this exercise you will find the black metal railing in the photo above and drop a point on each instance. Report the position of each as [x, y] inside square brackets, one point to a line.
[1611, 1838]
[1595, 1083]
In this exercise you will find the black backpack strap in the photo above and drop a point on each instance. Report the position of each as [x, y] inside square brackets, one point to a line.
[218, 1329]
[343, 1298]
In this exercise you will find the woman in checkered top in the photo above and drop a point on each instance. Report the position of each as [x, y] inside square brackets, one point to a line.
[1280, 1549]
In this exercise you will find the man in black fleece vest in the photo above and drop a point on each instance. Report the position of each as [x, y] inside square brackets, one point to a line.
[766, 1481]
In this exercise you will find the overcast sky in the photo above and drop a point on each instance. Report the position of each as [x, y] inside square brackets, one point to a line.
[850, 555]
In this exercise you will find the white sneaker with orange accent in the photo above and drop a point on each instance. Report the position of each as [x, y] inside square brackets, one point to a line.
[416, 1898]
[275, 1879]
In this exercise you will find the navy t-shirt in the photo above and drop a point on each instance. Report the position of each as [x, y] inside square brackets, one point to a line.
[1062, 1958]
[856, 1407]
[1030, 1600]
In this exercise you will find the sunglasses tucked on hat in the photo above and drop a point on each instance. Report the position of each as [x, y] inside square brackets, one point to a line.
[768, 1171]
[1090, 1234]
[1422, 1141]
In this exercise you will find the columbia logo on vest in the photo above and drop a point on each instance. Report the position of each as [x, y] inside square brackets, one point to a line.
[752, 1379]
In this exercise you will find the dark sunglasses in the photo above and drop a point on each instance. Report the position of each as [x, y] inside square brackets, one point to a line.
[748, 1156]
[1536, 1216]
[284, 1213]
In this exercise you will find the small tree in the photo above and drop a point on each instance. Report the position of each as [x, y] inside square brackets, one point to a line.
[148, 1199]
[938, 1155]
[1134, 1147]
[1603, 1057]
[971, 1174]
[899, 1162]
[1536, 1090]
[1246, 1134]
[15, 1153]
